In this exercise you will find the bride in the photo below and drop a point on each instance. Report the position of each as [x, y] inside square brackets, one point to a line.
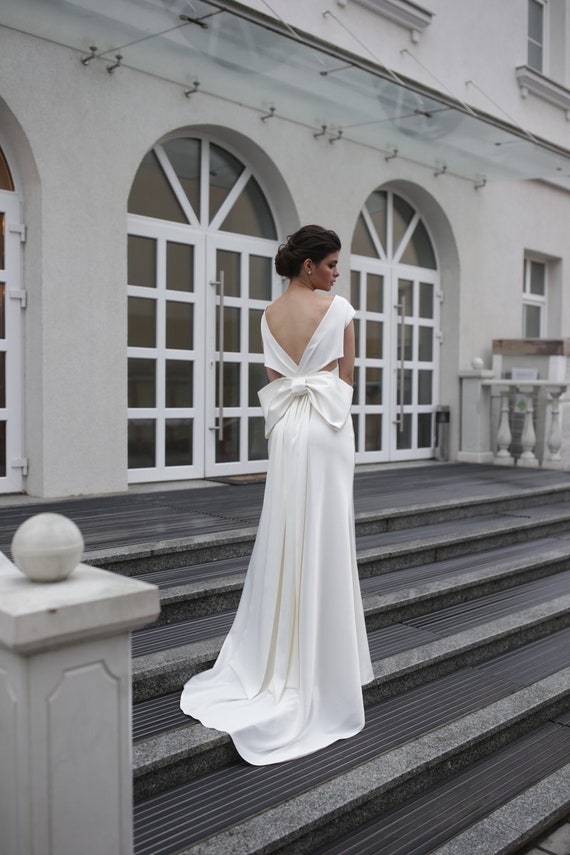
[288, 678]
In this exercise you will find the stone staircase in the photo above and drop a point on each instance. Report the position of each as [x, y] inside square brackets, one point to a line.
[466, 748]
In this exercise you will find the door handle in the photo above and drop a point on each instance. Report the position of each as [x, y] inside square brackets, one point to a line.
[219, 284]
[401, 307]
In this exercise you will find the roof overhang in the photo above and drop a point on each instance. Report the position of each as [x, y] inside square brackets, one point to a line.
[224, 50]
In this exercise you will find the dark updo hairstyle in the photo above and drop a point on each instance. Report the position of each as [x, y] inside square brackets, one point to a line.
[312, 242]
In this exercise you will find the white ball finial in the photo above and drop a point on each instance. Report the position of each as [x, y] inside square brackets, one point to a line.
[47, 547]
[477, 363]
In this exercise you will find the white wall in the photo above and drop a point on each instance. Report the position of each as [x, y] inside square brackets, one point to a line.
[76, 136]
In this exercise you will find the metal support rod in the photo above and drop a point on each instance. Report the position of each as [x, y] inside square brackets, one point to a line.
[189, 92]
[111, 68]
[87, 59]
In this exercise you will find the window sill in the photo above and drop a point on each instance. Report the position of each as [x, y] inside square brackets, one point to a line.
[403, 12]
[534, 83]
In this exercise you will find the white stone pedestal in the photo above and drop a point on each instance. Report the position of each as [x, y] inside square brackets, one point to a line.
[475, 435]
[65, 711]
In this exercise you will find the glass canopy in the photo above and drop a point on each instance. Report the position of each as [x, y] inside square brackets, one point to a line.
[262, 63]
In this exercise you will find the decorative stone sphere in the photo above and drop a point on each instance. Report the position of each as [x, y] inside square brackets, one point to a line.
[47, 547]
[477, 363]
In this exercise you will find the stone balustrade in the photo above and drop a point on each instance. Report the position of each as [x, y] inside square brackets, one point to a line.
[521, 404]
[65, 695]
[512, 422]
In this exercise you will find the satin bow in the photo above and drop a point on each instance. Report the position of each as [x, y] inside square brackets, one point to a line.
[330, 396]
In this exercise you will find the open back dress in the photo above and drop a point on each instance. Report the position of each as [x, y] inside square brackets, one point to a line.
[288, 678]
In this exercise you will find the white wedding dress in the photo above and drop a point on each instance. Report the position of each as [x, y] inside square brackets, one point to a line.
[288, 678]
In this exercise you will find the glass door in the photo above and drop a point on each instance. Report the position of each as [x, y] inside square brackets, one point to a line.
[12, 301]
[370, 296]
[395, 293]
[165, 352]
[202, 238]
[241, 283]
[415, 360]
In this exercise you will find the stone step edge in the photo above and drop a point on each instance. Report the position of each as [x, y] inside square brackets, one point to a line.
[244, 535]
[405, 670]
[392, 675]
[435, 547]
[518, 822]
[460, 508]
[196, 656]
[381, 559]
[411, 599]
[343, 803]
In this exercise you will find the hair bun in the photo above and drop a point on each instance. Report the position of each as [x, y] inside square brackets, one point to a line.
[313, 242]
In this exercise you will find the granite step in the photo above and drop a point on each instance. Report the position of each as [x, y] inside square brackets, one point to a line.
[297, 807]
[467, 604]
[236, 540]
[215, 586]
[166, 656]
[414, 659]
[212, 589]
[527, 781]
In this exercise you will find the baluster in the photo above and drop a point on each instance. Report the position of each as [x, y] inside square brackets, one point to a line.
[504, 437]
[554, 438]
[528, 438]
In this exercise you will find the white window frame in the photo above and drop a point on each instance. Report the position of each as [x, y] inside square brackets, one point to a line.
[545, 30]
[539, 301]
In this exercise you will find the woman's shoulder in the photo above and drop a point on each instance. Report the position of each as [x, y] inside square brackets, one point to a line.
[342, 301]
[345, 309]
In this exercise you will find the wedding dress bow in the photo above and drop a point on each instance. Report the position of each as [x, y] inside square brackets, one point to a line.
[330, 396]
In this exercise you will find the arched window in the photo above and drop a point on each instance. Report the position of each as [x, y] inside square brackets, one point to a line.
[6, 181]
[395, 291]
[202, 237]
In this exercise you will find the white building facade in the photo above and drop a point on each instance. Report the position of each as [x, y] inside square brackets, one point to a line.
[155, 154]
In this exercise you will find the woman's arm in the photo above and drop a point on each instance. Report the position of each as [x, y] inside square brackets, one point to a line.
[346, 362]
[272, 375]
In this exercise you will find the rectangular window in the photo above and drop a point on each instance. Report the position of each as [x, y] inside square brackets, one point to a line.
[536, 30]
[534, 298]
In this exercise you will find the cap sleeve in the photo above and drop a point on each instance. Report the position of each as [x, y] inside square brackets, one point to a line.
[349, 312]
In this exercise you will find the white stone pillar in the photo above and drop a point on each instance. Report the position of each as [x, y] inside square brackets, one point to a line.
[475, 415]
[65, 696]
[553, 432]
[528, 436]
[503, 456]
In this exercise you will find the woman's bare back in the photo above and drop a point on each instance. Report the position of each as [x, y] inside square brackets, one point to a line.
[293, 319]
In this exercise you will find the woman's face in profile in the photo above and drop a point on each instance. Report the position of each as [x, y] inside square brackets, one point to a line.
[325, 273]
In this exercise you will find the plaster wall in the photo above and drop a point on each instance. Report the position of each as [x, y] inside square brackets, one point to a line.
[76, 136]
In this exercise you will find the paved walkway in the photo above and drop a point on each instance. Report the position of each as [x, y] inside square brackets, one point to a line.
[151, 513]
[556, 843]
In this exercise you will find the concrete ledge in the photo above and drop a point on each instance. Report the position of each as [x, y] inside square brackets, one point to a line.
[89, 603]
